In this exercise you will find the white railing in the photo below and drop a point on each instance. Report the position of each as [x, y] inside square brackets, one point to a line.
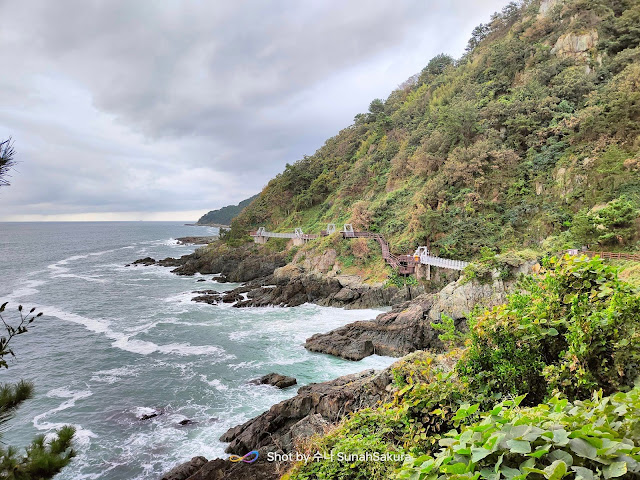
[422, 253]
[262, 232]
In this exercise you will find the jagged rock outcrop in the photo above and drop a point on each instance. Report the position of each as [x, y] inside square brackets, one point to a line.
[576, 45]
[240, 264]
[196, 240]
[292, 286]
[298, 287]
[408, 326]
[185, 470]
[199, 468]
[315, 404]
[220, 469]
[275, 380]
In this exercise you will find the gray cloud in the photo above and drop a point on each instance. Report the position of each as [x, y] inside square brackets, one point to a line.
[146, 106]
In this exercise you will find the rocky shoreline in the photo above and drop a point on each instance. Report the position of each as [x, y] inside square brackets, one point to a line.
[267, 279]
[313, 411]
[409, 326]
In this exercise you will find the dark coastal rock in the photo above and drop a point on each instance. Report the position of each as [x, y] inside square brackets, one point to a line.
[201, 280]
[240, 264]
[409, 326]
[398, 332]
[149, 416]
[232, 297]
[220, 469]
[272, 431]
[309, 426]
[211, 297]
[196, 240]
[185, 470]
[275, 379]
[144, 261]
[289, 287]
[186, 422]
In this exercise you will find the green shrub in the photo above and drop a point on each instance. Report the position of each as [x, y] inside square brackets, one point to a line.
[342, 452]
[397, 280]
[598, 438]
[574, 330]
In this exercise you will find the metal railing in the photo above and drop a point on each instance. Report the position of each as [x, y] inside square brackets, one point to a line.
[404, 263]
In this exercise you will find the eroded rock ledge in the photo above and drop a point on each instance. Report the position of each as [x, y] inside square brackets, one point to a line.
[269, 281]
[408, 326]
[312, 410]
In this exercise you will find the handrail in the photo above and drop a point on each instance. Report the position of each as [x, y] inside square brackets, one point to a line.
[613, 255]
[405, 263]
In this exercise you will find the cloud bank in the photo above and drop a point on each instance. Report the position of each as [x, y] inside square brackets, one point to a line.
[164, 110]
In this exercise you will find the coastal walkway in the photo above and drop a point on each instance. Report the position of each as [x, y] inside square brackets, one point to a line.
[405, 264]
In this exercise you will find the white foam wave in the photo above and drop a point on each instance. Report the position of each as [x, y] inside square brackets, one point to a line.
[249, 364]
[215, 383]
[184, 297]
[82, 436]
[140, 412]
[27, 289]
[114, 375]
[133, 345]
[86, 278]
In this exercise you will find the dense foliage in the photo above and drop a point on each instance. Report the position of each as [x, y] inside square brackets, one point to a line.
[584, 321]
[522, 139]
[586, 440]
[570, 333]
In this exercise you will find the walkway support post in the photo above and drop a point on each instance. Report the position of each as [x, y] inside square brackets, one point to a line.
[299, 239]
[348, 231]
[260, 237]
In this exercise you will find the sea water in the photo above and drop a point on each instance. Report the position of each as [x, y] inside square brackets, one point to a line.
[117, 342]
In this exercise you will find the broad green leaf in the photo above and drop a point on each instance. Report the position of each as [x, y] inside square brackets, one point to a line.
[540, 451]
[456, 468]
[583, 448]
[583, 473]
[509, 472]
[616, 469]
[519, 446]
[478, 454]
[556, 470]
[560, 455]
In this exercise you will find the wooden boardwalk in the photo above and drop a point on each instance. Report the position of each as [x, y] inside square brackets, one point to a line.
[405, 264]
[613, 255]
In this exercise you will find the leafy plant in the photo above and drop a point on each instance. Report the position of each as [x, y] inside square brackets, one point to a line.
[593, 439]
[573, 330]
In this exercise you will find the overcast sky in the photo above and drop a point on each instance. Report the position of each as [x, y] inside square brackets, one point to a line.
[163, 110]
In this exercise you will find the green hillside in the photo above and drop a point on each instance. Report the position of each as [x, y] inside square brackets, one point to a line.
[225, 215]
[530, 139]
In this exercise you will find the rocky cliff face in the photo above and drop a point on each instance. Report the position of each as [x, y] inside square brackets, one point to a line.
[311, 411]
[270, 281]
[235, 265]
[408, 326]
[576, 45]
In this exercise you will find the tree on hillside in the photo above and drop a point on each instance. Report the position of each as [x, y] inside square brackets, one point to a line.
[42, 459]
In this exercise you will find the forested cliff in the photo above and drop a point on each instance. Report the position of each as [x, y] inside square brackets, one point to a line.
[532, 135]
